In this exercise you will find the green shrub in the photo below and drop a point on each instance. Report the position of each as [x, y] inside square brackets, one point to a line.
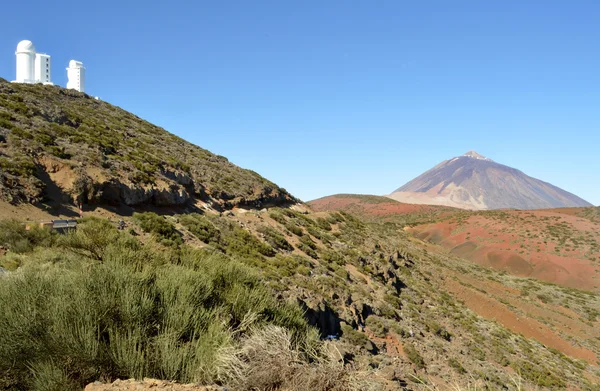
[308, 242]
[15, 236]
[18, 165]
[275, 239]
[333, 257]
[152, 223]
[414, 356]
[308, 251]
[539, 375]
[91, 239]
[6, 123]
[393, 300]
[49, 376]
[243, 243]
[201, 227]
[354, 337]
[434, 327]
[334, 218]
[293, 228]
[139, 313]
[314, 232]
[377, 326]
[290, 265]
[278, 216]
[323, 224]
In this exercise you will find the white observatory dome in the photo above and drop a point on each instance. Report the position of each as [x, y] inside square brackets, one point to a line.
[25, 46]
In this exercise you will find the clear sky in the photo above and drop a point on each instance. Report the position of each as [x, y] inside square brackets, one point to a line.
[342, 96]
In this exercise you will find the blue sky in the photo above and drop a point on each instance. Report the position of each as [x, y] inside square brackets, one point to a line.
[348, 96]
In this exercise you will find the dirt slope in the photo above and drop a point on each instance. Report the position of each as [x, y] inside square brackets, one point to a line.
[549, 245]
[378, 208]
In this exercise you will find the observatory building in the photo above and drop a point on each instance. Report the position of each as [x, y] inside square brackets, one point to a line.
[32, 67]
[76, 76]
[35, 67]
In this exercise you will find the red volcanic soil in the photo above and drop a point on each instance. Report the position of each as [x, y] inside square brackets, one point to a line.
[375, 206]
[549, 245]
[525, 322]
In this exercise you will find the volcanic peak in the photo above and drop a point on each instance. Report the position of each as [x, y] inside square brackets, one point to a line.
[475, 155]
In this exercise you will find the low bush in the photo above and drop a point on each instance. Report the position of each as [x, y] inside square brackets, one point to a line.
[539, 375]
[439, 330]
[333, 257]
[152, 223]
[376, 326]
[354, 337]
[278, 216]
[414, 356]
[241, 242]
[308, 251]
[201, 227]
[323, 224]
[454, 363]
[17, 238]
[91, 239]
[124, 310]
[293, 228]
[275, 239]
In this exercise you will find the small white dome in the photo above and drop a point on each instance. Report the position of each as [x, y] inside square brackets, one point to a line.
[75, 64]
[26, 46]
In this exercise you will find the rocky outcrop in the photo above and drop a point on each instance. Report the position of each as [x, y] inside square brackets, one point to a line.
[323, 317]
[18, 189]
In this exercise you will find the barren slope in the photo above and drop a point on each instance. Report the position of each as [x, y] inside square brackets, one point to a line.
[475, 182]
[550, 245]
[378, 208]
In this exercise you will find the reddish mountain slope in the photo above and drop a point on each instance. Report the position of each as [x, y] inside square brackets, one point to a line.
[558, 246]
[379, 208]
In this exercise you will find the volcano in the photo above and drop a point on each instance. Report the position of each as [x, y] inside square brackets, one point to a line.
[473, 181]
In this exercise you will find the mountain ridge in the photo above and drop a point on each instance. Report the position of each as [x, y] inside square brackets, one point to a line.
[65, 147]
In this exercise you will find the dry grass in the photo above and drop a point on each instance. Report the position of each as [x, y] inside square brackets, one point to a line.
[268, 360]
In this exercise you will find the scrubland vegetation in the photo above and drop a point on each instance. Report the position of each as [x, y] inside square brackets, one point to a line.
[96, 304]
[101, 304]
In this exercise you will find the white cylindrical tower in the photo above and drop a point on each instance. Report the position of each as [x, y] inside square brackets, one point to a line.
[25, 62]
[76, 76]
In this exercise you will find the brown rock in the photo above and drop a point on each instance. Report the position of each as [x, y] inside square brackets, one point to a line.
[148, 385]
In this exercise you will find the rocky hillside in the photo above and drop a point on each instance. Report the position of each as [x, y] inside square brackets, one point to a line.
[475, 182]
[63, 146]
[393, 312]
